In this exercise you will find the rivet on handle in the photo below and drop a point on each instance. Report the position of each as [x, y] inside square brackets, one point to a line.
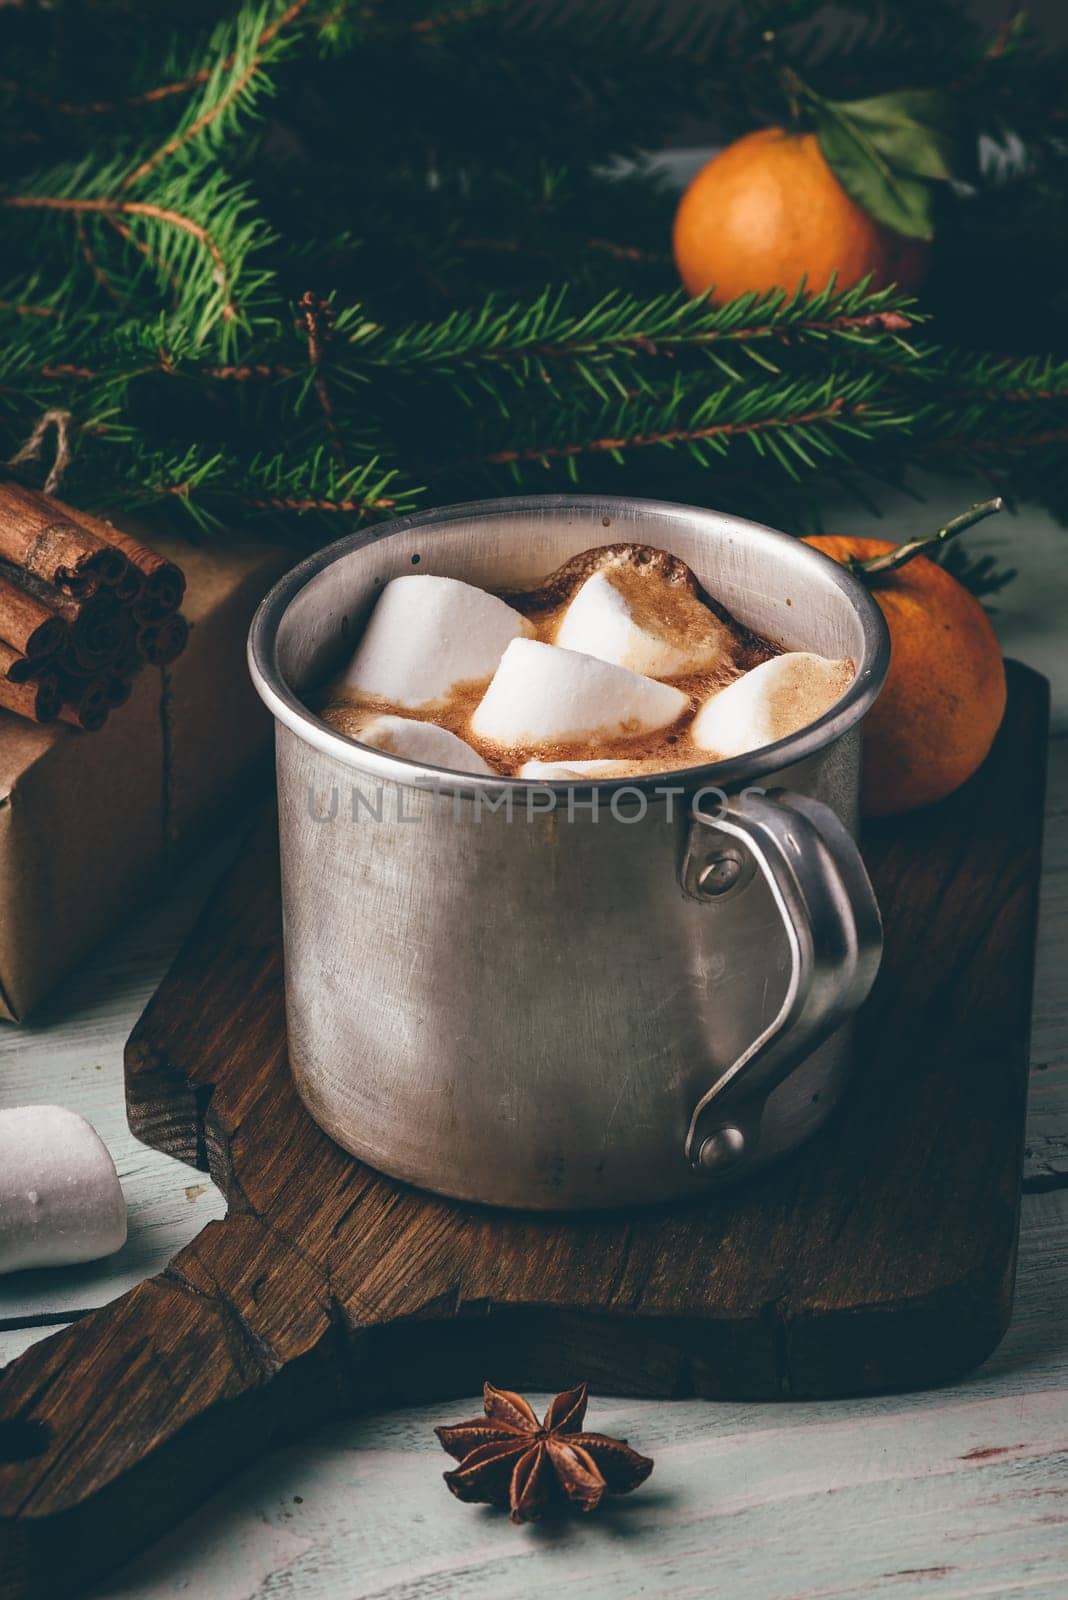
[721, 1149]
[720, 873]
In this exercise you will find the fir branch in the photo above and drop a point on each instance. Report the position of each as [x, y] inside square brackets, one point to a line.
[173, 346]
[537, 339]
[343, 506]
[455, 17]
[1004, 444]
[221, 67]
[1004, 380]
[91, 261]
[84, 205]
[208, 485]
[97, 108]
[228, 87]
[792, 423]
[129, 237]
[316, 320]
[834, 410]
[200, 234]
[61, 370]
[549, 340]
[278, 485]
[23, 310]
[264, 372]
[199, 77]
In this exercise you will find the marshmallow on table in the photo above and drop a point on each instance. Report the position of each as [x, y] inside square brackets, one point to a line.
[406, 736]
[542, 694]
[643, 622]
[426, 636]
[769, 703]
[60, 1199]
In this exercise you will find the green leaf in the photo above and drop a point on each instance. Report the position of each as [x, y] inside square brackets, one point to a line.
[897, 199]
[913, 130]
[886, 152]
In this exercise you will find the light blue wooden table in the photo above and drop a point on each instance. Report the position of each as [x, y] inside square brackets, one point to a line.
[954, 1493]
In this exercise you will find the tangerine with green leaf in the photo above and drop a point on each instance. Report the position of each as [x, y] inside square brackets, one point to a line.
[849, 190]
[768, 213]
[944, 695]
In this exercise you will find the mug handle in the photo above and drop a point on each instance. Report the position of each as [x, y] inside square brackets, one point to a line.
[819, 884]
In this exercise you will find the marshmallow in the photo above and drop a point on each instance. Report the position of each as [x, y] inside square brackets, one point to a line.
[769, 703]
[642, 621]
[405, 736]
[426, 636]
[585, 771]
[60, 1199]
[541, 694]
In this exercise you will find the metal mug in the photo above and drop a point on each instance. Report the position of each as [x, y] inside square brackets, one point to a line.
[556, 996]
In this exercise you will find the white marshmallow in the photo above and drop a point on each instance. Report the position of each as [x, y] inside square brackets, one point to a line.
[419, 741]
[769, 703]
[644, 623]
[541, 694]
[428, 635]
[60, 1199]
[585, 771]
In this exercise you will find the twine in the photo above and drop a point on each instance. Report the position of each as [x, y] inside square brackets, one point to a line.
[31, 450]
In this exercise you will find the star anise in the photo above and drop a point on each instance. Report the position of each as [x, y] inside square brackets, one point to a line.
[508, 1458]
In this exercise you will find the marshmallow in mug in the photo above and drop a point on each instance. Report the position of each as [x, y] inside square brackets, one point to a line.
[542, 694]
[643, 622]
[770, 702]
[408, 736]
[586, 771]
[60, 1198]
[427, 636]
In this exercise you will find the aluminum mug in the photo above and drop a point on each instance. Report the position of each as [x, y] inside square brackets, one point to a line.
[555, 996]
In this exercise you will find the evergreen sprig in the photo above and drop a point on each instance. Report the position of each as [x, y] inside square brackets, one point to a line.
[317, 264]
[617, 342]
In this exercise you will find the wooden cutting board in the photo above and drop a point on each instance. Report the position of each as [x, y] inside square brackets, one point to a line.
[879, 1256]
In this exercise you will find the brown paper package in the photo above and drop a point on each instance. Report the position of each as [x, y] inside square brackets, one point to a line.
[90, 824]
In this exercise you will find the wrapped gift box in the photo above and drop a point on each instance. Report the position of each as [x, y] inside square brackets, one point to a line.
[91, 823]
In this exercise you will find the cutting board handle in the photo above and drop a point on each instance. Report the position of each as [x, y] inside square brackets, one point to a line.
[113, 1428]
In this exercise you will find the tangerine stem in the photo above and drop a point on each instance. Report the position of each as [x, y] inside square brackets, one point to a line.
[796, 91]
[893, 560]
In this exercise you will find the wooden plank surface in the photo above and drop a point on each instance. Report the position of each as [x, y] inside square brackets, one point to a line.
[359, 1511]
[945, 1496]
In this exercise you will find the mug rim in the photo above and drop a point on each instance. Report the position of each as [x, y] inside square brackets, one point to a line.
[288, 709]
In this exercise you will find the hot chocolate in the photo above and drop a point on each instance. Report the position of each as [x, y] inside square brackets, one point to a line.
[617, 664]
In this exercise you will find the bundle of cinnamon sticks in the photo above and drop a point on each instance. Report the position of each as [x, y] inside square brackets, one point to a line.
[82, 608]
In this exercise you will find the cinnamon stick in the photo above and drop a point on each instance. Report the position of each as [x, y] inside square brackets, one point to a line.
[14, 666]
[85, 702]
[82, 607]
[118, 689]
[129, 587]
[160, 643]
[91, 631]
[96, 637]
[27, 623]
[60, 604]
[162, 583]
[120, 576]
[37, 699]
[37, 535]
